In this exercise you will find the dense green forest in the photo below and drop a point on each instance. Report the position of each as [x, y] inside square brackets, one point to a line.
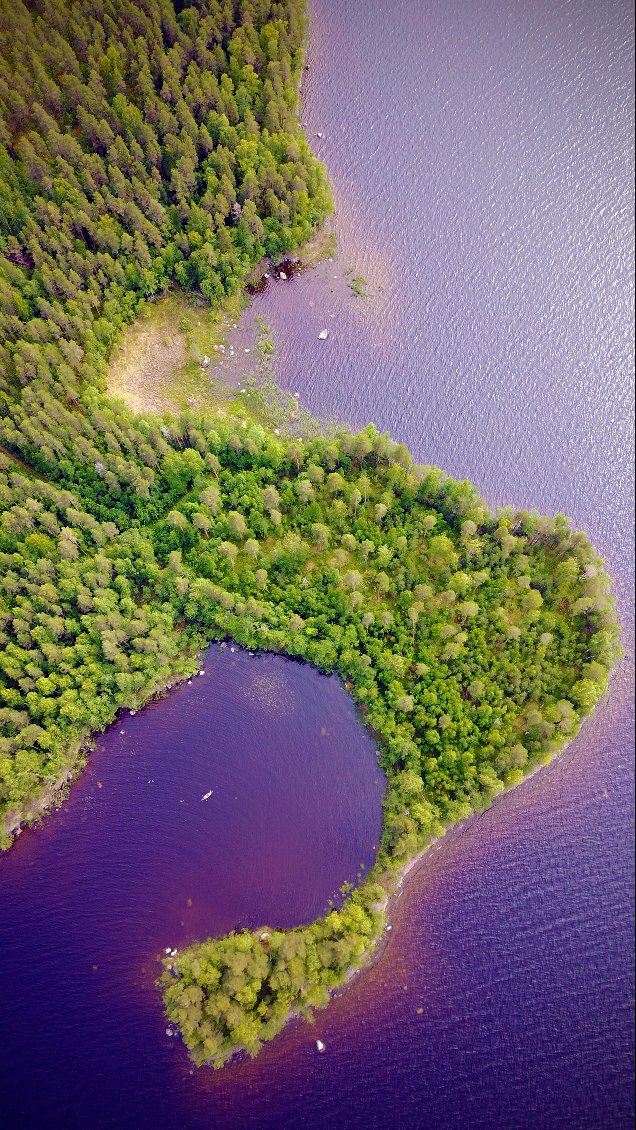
[157, 144]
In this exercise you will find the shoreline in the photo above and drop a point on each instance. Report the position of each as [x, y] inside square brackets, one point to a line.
[400, 882]
[168, 358]
[54, 794]
[413, 865]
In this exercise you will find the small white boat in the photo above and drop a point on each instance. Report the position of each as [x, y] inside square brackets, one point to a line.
[206, 796]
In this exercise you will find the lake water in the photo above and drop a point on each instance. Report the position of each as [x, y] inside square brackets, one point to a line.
[137, 861]
[482, 161]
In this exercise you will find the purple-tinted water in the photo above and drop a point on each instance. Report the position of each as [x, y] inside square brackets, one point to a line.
[136, 861]
[482, 161]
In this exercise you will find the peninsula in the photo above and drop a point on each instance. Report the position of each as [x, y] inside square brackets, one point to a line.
[157, 146]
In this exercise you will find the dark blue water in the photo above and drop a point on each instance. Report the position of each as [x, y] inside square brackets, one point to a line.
[482, 162]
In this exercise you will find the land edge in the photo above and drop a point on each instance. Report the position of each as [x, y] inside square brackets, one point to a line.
[318, 248]
[55, 792]
[394, 885]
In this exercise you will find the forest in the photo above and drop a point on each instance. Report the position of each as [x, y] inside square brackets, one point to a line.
[152, 145]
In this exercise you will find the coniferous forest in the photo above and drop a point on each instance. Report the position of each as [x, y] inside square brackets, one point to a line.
[155, 145]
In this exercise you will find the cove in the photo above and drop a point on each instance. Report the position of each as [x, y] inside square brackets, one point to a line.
[135, 861]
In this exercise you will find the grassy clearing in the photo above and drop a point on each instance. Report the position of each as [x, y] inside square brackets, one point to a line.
[158, 368]
[167, 359]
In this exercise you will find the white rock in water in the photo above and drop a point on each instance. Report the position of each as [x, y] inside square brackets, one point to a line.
[318, 135]
[169, 1032]
[132, 713]
[202, 672]
[323, 335]
[282, 275]
[320, 1045]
